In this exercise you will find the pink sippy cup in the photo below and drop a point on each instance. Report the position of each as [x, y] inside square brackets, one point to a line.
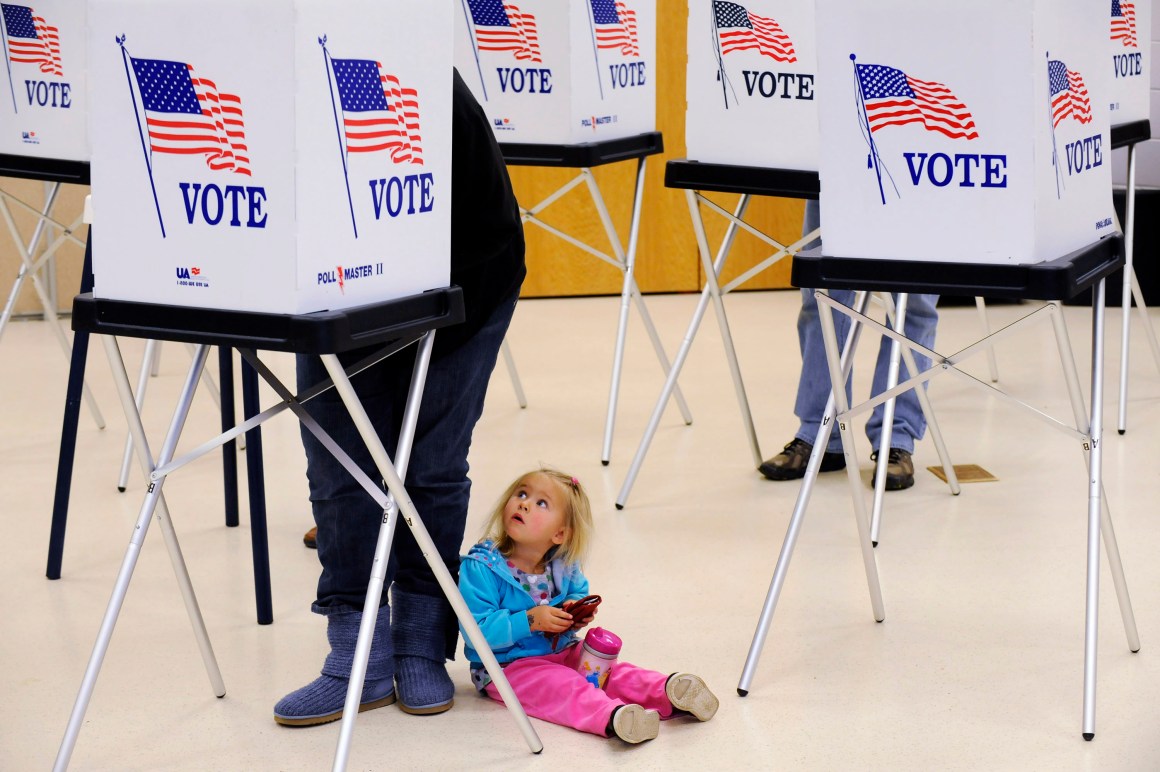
[600, 651]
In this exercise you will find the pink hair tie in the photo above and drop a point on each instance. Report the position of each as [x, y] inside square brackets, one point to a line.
[575, 483]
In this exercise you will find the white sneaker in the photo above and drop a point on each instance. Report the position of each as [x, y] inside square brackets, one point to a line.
[634, 724]
[689, 693]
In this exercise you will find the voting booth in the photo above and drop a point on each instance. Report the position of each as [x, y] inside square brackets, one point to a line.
[750, 129]
[571, 85]
[966, 152]
[556, 72]
[941, 148]
[44, 92]
[1129, 30]
[44, 137]
[273, 176]
[270, 156]
[1130, 46]
[750, 84]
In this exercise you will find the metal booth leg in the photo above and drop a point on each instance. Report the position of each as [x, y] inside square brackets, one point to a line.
[256, 485]
[153, 502]
[1095, 491]
[139, 400]
[1131, 292]
[510, 362]
[1107, 532]
[723, 325]
[1126, 298]
[897, 317]
[22, 274]
[383, 544]
[150, 364]
[682, 353]
[68, 432]
[629, 292]
[803, 500]
[833, 359]
[50, 315]
[229, 449]
[887, 420]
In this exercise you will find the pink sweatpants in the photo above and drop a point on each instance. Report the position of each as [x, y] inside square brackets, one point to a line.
[550, 687]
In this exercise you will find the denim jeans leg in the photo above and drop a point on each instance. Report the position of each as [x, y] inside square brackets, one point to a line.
[348, 519]
[909, 422]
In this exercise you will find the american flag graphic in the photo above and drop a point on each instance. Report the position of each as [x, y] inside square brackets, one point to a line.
[615, 26]
[740, 30]
[377, 112]
[187, 115]
[31, 40]
[1069, 96]
[1124, 23]
[893, 98]
[503, 27]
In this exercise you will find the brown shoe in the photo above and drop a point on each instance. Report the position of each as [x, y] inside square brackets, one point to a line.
[899, 469]
[311, 538]
[790, 463]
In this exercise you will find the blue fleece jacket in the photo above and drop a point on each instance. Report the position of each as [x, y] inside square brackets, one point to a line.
[500, 605]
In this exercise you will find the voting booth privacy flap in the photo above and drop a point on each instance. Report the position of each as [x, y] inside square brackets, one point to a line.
[1129, 40]
[42, 91]
[270, 155]
[750, 84]
[560, 72]
[965, 132]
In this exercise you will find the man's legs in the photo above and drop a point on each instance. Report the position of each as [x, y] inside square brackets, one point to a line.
[813, 383]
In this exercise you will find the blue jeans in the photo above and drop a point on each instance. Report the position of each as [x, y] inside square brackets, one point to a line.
[348, 518]
[814, 383]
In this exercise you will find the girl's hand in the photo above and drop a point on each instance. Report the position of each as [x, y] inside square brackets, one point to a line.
[549, 619]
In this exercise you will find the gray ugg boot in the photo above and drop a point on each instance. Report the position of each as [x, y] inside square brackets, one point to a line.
[419, 629]
[321, 701]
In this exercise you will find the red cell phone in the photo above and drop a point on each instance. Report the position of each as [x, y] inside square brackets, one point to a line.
[581, 609]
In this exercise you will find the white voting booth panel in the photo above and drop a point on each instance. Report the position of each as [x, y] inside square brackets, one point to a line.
[964, 132]
[258, 155]
[552, 72]
[1130, 44]
[44, 96]
[750, 84]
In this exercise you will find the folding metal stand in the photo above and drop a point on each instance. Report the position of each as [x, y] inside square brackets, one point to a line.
[695, 177]
[1129, 135]
[392, 325]
[584, 157]
[55, 173]
[149, 364]
[67, 456]
[1059, 279]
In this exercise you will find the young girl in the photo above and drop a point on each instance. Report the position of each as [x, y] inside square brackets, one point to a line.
[519, 583]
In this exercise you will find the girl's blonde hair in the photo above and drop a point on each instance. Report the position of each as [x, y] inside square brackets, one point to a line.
[577, 518]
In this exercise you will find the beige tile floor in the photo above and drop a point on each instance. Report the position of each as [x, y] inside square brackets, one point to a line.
[978, 665]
